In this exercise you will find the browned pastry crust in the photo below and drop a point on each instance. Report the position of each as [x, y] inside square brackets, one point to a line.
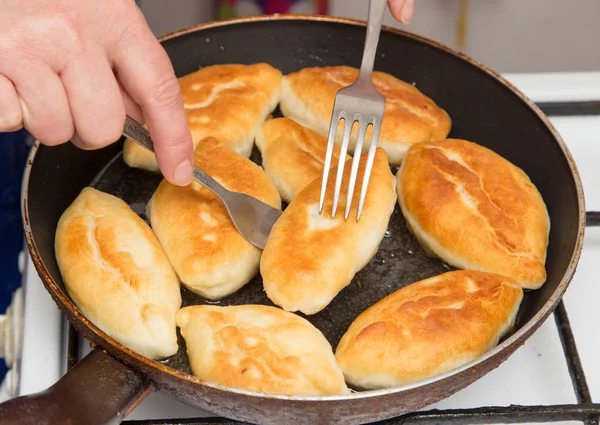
[228, 102]
[292, 155]
[117, 274]
[410, 117]
[210, 256]
[309, 257]
[475, 210]
[428, 328]
[259, 348]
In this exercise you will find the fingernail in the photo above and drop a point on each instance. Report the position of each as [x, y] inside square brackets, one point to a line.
[183, 173]
[406, 13]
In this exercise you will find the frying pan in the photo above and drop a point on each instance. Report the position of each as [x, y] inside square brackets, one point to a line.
[107, 384]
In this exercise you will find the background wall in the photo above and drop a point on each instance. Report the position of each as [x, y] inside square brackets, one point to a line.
[165, 16]
[507, 35]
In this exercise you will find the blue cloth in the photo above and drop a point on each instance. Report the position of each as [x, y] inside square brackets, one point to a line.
[13, 156]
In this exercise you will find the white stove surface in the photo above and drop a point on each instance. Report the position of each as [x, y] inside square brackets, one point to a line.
[537, 372]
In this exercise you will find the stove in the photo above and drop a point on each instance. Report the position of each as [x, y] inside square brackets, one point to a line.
[553, 377]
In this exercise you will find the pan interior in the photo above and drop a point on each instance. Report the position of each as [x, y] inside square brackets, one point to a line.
[482, 109]
[399, 261]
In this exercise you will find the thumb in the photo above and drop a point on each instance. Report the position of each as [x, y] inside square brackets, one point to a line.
[402, 10]
[146, 73]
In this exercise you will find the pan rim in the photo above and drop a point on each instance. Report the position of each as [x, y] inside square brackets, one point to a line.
[519, 336]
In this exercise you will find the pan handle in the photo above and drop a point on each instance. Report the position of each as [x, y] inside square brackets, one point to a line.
[99, 390]
[592, 218]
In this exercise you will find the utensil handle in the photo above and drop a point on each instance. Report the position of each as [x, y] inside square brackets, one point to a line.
[210, 183]
[376, 13]
[99, 390]
[136, 132]
[140, 135]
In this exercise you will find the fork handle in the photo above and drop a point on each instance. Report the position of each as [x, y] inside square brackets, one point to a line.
[210, 183]
[140, 135]
[376, 13]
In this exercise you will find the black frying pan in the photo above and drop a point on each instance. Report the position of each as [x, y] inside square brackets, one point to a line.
[484, 109]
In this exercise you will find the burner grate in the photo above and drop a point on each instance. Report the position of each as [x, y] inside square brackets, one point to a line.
[584, 411]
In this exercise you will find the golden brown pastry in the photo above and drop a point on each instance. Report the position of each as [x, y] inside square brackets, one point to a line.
[309, 257]
[475, 210]
[259, 348]
[410, 117]
[428, 328]
[228, 102]
[292, 155]
[117, 274]
[210, 256]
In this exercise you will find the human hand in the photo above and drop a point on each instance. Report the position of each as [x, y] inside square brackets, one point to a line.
[402, 10]
[71, 69]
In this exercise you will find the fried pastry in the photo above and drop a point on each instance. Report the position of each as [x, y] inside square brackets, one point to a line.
[310, 257]
[228, 102]
[292, 155]
[210, 256]
[259, 348]
[117, 274]
[475, 210]
[410, 117]
[428, 328]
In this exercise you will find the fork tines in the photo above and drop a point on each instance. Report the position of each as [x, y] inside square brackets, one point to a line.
[363, 123]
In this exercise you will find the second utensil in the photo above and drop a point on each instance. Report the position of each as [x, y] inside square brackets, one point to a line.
[251, 217]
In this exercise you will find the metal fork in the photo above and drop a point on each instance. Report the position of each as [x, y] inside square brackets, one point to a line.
[251, 217]
[360, 102]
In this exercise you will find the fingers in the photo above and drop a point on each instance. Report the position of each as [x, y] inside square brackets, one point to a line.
[11, 118]
[131, 107]
[146, 73]
[402, 10]
[408, 11]
[94, 99]
[44, 105]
